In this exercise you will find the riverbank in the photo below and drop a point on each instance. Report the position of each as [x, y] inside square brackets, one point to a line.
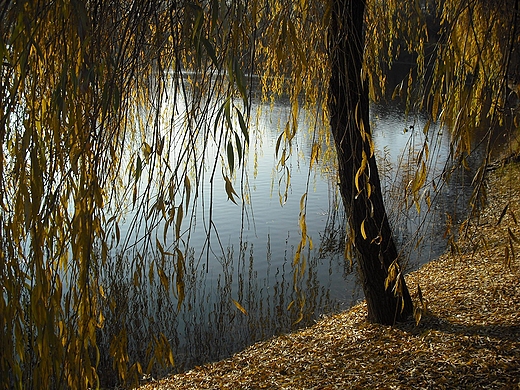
[468, 336]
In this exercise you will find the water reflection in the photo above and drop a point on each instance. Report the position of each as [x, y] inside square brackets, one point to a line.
[239, 278]
[209, 326]
[239, 284]
[400, 139]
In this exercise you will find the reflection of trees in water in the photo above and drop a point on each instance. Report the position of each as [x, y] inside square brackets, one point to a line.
[419, 219]
[209, 326]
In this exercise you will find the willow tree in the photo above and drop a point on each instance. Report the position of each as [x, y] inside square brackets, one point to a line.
[87, 135]
[360, 185]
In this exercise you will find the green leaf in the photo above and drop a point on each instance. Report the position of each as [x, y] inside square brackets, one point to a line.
[239, 149]
[243, 126]
[241, 82]
[278, 141]
[217, 119]
[214, 13]
[210, 50]
[147, 150]
[178, 222]
[187, 186]
[230, 156]
[227, 113]
[138, 168]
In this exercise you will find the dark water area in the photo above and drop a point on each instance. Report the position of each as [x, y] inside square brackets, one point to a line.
[240, 283]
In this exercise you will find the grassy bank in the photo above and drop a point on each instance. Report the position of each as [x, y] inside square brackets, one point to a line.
[468, 337]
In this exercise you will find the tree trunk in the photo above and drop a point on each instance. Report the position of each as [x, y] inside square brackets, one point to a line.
[360, 186]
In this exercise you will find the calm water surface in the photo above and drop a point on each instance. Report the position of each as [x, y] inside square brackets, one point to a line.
[248, 259]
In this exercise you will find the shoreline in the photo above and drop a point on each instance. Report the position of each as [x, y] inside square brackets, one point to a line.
[468, 336]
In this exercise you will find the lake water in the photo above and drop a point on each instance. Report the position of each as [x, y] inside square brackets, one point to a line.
[248, 258]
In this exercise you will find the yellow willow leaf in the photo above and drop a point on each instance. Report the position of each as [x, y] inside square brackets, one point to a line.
[397, 90]
[139, 368]
[240, 307]
[315, 153]
[297, 254]
[426, 128]
[360, 170]
[102, 292]
[435, 106]
[417, 314]
[151, 273]
[356, 114]
[283, 159]
[419, 179]
[137, 279]
[295, 114]
[180, 278]
[300, 317]
[180, 293]
[302, 201]
[287, 131]
[230, 191]
[363, 233]
[371, 145]
[392, 274]
[362, 130]
[369, 189]
[417, 206]
[303, 228]
[158, 243]
[300, 313]
[164, 279]
[101, 320]
[507, 259]
[456, 125]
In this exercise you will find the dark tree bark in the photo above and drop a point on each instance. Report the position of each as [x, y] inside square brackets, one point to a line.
[360, 186]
